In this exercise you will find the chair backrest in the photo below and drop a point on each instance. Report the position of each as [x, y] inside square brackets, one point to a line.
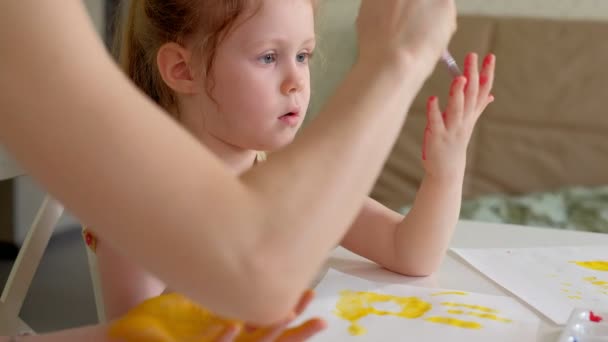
[29, 256]
[8, 168]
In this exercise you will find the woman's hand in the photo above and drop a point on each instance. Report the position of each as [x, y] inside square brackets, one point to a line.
[420, 29]
[174, 318]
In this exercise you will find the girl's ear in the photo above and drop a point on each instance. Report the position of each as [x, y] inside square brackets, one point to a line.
[173, 61]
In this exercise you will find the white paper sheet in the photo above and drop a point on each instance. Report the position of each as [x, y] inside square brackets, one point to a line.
[554, 280]
[490, 318]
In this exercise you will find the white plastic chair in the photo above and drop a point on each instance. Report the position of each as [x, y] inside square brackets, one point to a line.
[96, 282]
[28, 259]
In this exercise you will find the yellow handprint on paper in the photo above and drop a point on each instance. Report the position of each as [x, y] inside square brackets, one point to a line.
[355, 305]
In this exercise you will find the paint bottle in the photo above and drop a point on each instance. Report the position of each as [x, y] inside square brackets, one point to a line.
[586, 325]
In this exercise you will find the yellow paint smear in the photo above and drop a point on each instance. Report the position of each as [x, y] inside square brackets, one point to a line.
[596, 265]
[458, 293]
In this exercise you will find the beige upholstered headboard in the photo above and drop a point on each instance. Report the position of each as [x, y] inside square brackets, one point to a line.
[548, 127]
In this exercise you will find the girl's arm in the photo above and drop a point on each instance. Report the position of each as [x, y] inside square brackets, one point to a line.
[414, 245]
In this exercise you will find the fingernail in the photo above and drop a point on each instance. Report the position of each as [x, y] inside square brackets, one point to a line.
[487, 60]
[430, 103]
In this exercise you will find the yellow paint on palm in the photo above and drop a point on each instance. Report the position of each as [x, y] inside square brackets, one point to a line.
[169, 318]
[353, 306]
[596, 265]
[455, 322]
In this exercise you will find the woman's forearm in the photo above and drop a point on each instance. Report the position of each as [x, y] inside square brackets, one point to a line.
[245, 247]
[315, 188]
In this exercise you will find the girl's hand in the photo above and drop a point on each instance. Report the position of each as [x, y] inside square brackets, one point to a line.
[447, 135]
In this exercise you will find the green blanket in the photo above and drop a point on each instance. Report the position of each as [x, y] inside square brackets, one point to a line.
[574, 208]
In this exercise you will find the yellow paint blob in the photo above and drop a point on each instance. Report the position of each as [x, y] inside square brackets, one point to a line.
[574, 297]
[455, 322]
[458, 293]
[353, 306]
[596, 265]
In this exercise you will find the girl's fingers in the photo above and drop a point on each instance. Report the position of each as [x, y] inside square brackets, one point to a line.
[433, 114]
[486, 79]
[454, 112]
[471, 90]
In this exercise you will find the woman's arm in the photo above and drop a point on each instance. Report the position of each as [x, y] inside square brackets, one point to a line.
[121, 165]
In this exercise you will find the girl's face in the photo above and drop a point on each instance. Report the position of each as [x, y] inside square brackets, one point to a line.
[260, 80]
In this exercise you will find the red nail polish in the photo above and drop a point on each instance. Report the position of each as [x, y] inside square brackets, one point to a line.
[483, 79]
[430, 103]
[487, 60]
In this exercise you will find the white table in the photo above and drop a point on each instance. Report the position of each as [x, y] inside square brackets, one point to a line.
[454, 273]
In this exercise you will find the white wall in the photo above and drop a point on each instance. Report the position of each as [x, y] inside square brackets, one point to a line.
[561, 9]
[28, 195]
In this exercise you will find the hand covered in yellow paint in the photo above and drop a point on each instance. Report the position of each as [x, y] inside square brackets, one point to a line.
[174, 318]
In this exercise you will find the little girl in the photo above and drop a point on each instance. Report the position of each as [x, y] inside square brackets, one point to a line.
[236, 75]
[202, 61]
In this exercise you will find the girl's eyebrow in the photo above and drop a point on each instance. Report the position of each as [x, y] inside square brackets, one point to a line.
[277, 41]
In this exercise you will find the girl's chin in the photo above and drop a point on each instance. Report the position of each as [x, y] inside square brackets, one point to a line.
[275, 144]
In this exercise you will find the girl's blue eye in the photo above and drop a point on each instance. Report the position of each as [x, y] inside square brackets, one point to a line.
[303, 57]
[268, 58]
